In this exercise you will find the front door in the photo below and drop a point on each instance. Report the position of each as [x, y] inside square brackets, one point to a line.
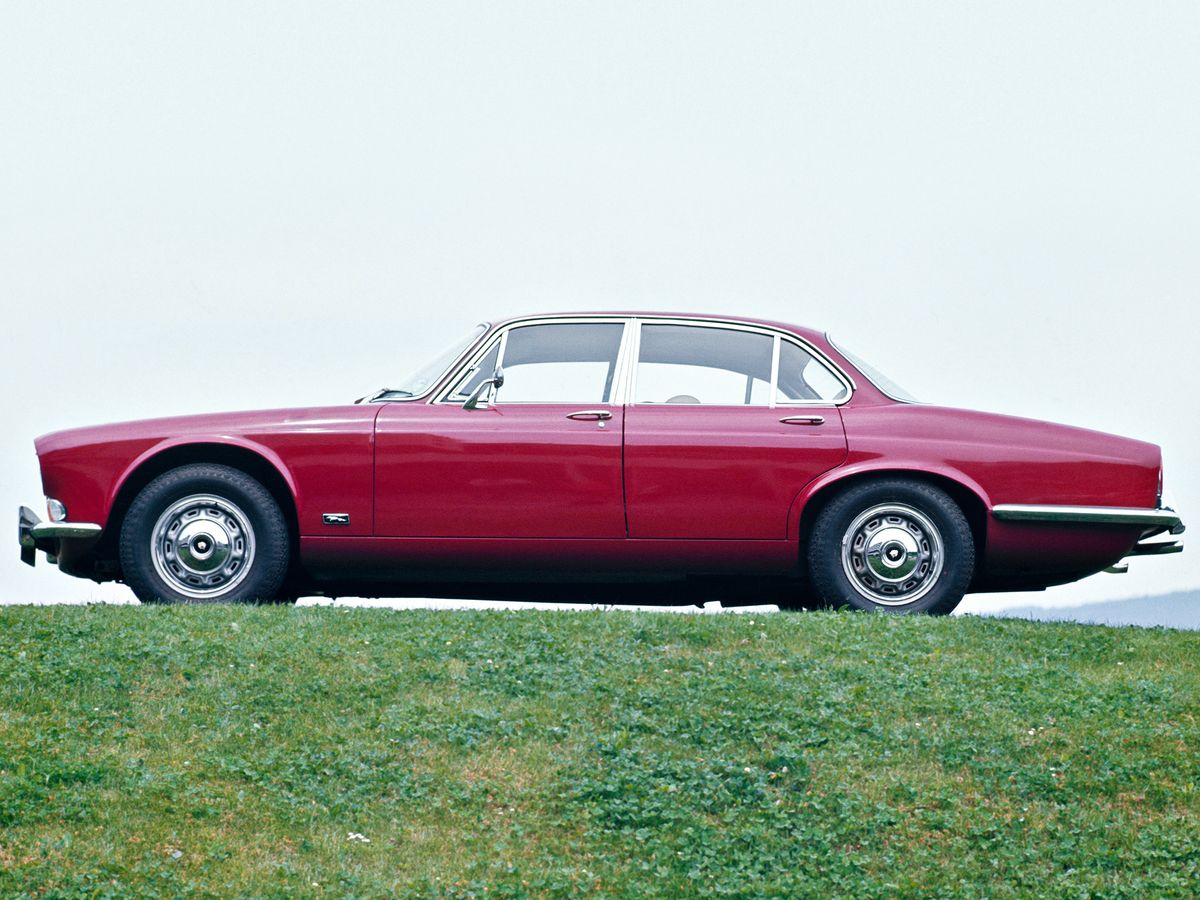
[540, 459]
[727, 425]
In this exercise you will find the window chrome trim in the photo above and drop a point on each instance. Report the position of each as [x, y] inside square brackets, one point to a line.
[501, 335]
[776, 345]
[627, 355]
[778, 335]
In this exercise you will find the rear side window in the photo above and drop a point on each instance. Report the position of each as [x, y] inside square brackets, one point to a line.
[681, 364]
[805, 379]
[694, 364]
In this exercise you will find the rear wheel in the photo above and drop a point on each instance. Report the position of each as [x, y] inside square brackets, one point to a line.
[204, 534]
[893, 546]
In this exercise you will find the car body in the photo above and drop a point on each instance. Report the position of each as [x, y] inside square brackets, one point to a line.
[574, 449]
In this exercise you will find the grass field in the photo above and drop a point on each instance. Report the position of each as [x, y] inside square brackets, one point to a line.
[324, 751]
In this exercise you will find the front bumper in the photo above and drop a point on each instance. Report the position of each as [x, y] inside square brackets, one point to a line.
[34, 534]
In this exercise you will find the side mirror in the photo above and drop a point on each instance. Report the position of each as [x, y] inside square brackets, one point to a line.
[479, 396]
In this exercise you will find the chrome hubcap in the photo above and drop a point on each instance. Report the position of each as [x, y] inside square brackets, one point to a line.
[892, 554]
[202, 546]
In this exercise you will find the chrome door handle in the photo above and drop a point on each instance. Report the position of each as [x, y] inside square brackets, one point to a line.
[590, 414]
[803, 420]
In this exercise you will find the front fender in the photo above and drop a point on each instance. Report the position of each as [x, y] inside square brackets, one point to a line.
[198, 441]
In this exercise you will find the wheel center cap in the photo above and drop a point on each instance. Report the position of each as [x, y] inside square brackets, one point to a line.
[892, 553]
[202, 546]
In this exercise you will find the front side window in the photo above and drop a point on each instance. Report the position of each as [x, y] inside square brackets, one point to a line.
[695, 364]
[557, 363]
[477, 373]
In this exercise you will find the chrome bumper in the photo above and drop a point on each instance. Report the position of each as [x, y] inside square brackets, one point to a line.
[34, 534]
[1154, 548]
[1155, 522]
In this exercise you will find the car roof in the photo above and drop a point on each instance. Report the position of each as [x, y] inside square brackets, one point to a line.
[810, 334]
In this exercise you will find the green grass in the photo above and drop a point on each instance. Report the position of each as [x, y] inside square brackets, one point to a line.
[232, 751]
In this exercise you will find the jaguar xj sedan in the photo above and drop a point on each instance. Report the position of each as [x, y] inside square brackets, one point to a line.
[622, 455]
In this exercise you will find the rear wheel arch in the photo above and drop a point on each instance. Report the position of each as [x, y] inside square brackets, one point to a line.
[898, 544]
[973, 506]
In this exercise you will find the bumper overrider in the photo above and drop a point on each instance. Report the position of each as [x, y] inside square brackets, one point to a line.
[1156, 522]
[34, 535]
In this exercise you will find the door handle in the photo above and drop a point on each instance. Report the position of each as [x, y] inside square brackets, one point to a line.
[803, 420]
[590, 414]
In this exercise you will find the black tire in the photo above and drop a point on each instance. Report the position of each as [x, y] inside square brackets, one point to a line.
[245, 531]
[892, 522]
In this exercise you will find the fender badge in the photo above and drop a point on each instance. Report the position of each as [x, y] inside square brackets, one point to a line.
[336, 518]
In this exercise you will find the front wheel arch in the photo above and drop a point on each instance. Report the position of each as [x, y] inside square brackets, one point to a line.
[236, 457]
[204, 532]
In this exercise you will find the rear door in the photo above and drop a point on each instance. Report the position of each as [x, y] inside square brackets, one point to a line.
[726, 425]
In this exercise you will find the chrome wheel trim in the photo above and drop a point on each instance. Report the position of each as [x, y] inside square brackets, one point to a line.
[892, 554]
[202, 546]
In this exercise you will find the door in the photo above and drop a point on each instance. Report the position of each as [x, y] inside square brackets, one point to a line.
[540, 457]
[725, 428]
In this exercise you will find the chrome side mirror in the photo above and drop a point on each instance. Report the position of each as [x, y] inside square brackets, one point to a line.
[480, 396]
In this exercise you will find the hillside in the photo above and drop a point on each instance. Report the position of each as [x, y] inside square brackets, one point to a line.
[324, 751]
[1180, 609]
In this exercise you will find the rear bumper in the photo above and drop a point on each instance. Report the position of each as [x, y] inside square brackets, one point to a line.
[1152, 521]
[1155, 520]
[1155, 548]
[34, 534]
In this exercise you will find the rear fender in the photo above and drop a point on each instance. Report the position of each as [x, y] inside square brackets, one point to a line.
[826, 485]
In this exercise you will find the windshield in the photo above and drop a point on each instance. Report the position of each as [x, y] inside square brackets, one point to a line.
[427, 376]
[877, 378]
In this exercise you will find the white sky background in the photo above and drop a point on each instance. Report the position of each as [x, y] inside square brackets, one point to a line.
[229, 205]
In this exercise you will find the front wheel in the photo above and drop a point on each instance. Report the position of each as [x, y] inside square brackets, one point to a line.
[895, 546]
[204, 534]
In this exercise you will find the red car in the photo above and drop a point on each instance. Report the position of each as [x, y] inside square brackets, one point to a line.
[627, 455]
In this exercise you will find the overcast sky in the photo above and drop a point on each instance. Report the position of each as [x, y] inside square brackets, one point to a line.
[212, 206]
